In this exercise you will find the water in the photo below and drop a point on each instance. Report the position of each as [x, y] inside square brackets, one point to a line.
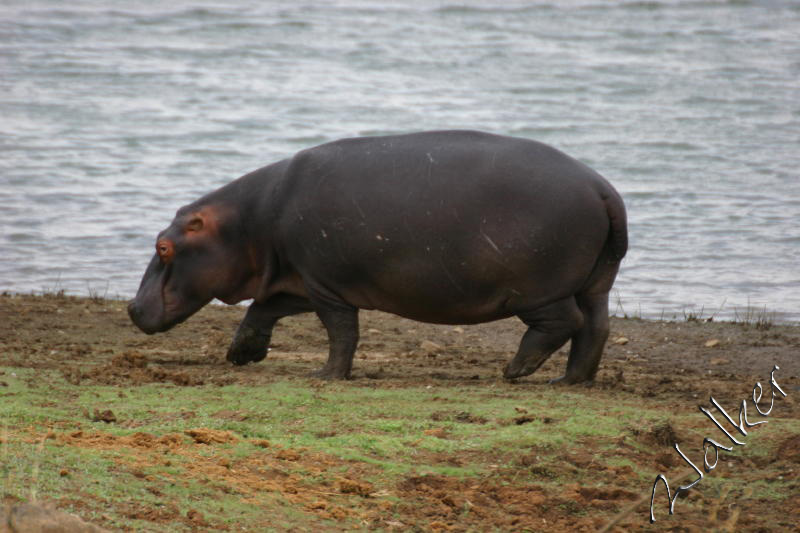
[112, 115]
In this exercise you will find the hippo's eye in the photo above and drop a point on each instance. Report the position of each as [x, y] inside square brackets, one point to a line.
[165, 250]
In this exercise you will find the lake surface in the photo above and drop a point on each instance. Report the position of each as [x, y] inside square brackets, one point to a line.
[114, 114]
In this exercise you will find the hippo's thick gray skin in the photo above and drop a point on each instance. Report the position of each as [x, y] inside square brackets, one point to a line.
[450, 227]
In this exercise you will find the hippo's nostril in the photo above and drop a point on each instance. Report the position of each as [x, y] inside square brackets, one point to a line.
[132, 310]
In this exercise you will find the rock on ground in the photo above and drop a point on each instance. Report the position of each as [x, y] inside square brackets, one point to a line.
[35, 518]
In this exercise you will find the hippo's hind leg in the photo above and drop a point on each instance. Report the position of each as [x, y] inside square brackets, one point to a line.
[341, 322]
[549, 328]
[588, 343]
[251, 340]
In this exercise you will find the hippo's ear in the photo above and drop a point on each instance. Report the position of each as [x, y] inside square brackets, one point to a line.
[195, 224]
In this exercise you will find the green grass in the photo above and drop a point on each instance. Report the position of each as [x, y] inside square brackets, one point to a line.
[382, 430]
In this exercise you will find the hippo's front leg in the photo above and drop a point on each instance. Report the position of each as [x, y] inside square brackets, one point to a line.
[252, 337]
[251, 340]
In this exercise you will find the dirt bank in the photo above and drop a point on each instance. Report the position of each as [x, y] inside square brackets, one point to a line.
[90, 338]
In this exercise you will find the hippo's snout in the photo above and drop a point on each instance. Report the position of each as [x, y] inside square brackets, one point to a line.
[137, 317]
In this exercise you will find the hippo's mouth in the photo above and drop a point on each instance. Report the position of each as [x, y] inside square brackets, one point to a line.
[148, 310]
[168, 317]
[144, 321]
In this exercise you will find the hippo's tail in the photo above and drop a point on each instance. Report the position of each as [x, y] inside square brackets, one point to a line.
[618, 232]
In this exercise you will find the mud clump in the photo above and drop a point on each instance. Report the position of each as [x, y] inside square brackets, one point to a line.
[211, 436]
[448, 500]
[789, 449]
[661, 434]
[134, 368]
[288, 455]
[130, 360]
[349, 486]
[106, 415]
[664, 434]
[468, 418]
[590, 494]
[439, 433]
[99, 440]
[29, 517]
[196, 518]
[425, 483]
[465, 417]
[666, 460]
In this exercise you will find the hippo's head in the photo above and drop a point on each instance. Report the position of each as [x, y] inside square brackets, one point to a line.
[199, 257]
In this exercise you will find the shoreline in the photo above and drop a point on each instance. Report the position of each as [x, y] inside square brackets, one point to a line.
[760, 317]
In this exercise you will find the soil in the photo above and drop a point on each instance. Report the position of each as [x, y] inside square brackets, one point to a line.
[678, 364]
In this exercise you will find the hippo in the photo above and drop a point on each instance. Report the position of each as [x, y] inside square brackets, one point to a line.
[445, 227]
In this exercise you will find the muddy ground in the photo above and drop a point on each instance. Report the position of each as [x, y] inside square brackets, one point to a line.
[676, 364]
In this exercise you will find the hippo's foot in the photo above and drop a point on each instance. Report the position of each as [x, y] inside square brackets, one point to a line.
[239, 355]
[246, 348]
[514, 370]
[549, 327]
[329, 374]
